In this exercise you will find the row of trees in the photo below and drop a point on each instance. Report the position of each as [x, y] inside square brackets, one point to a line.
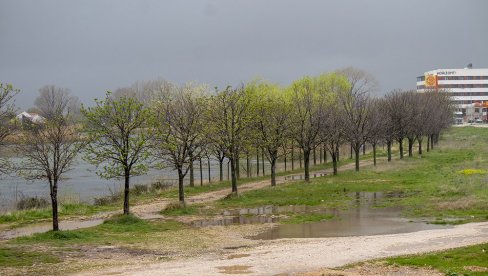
[161, 124]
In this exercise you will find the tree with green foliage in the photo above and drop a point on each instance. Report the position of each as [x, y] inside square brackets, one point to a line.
[228, 120]
[272, 120]
[7, 93]
[180, 129]
[305, 117]
[119, 139]
[332, 132]
[50, 147]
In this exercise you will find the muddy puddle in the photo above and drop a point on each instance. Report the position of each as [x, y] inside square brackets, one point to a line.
[44, 227]
[363, 217]
[302, 177]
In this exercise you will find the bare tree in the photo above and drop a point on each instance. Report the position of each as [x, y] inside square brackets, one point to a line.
[305, 119]
[180, 125]
[53, 101]
[50, 148]
[229, 120]
[377, 125]
[355, 103]
[7, 93]
[397, 108]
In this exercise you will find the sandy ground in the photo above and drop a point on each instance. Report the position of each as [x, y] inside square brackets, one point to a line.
[293, 256]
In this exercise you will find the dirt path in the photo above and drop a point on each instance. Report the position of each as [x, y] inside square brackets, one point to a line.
[291, 256]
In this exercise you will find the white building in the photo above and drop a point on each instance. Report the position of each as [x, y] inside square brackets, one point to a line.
[32, 117]
[468, 88]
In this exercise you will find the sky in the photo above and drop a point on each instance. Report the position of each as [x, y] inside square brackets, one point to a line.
[92, 46]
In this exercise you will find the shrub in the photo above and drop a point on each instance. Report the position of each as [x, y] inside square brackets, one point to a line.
[139, 189]
[26, 203]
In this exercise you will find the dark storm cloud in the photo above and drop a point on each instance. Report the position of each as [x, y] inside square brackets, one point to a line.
[93, 46]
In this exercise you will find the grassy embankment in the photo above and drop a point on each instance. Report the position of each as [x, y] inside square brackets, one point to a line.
[470, 260]
[447, 185]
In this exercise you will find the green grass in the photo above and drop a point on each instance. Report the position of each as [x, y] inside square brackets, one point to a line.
[13, 257]
[430, 186]
[121, 229]
[305, 218]
[22, 217]
[452, 262]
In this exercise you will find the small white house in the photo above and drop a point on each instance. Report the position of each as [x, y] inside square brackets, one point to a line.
[31, 117]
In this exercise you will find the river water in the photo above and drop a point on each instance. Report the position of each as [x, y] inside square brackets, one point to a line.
[83, 184]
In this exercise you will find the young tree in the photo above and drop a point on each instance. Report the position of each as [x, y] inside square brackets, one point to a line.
[332, 133]
[272, 110]
[180, 126]
[355, 103]
[119, 139]
[376, 125]
[305, 117]
[228, 119]
[7, 93]
[51, 147]
[397, 108]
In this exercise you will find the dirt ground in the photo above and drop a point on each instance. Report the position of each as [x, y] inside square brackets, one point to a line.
[309, 256]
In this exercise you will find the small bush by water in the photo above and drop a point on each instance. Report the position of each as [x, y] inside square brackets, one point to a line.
[27, 203]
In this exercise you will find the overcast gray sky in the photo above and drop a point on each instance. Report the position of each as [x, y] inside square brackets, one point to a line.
[94, 46]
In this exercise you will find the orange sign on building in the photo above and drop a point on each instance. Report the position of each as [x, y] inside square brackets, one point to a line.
[431, 81]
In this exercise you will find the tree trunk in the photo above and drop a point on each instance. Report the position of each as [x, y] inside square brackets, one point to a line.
[357, 150]
[374, 154]
[432, 141]
[314, 156]
[257, 161]
[428, 143]
[192, 176]
[126, 192]
[273, 171]
[262, 158]
[201, 172]
[410, 147]
[420, 146]
[300, 157]
[364, 149]
[208, 165]
[334, 162]
[325, 155]
[234, 176]
[248, 168]
[285, 161]
[400, 142]
[292, 156]
[320, 155]
[238, 166]
[221, 169]
[228, 170]
[350, 155]
[306, 160]
[388, 146]
[54, 205]
[181, 192]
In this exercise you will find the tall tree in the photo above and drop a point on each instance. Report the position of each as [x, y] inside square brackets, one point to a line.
[229, 118]
[50, 148]
[355, 103]
[273, 111]
[119, 139]
[180, 125]
[305, 118]
[7, 93]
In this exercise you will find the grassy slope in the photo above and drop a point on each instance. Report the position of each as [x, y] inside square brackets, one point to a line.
[452, 262]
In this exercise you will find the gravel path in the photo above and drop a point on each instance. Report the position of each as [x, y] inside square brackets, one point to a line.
[290, 256]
